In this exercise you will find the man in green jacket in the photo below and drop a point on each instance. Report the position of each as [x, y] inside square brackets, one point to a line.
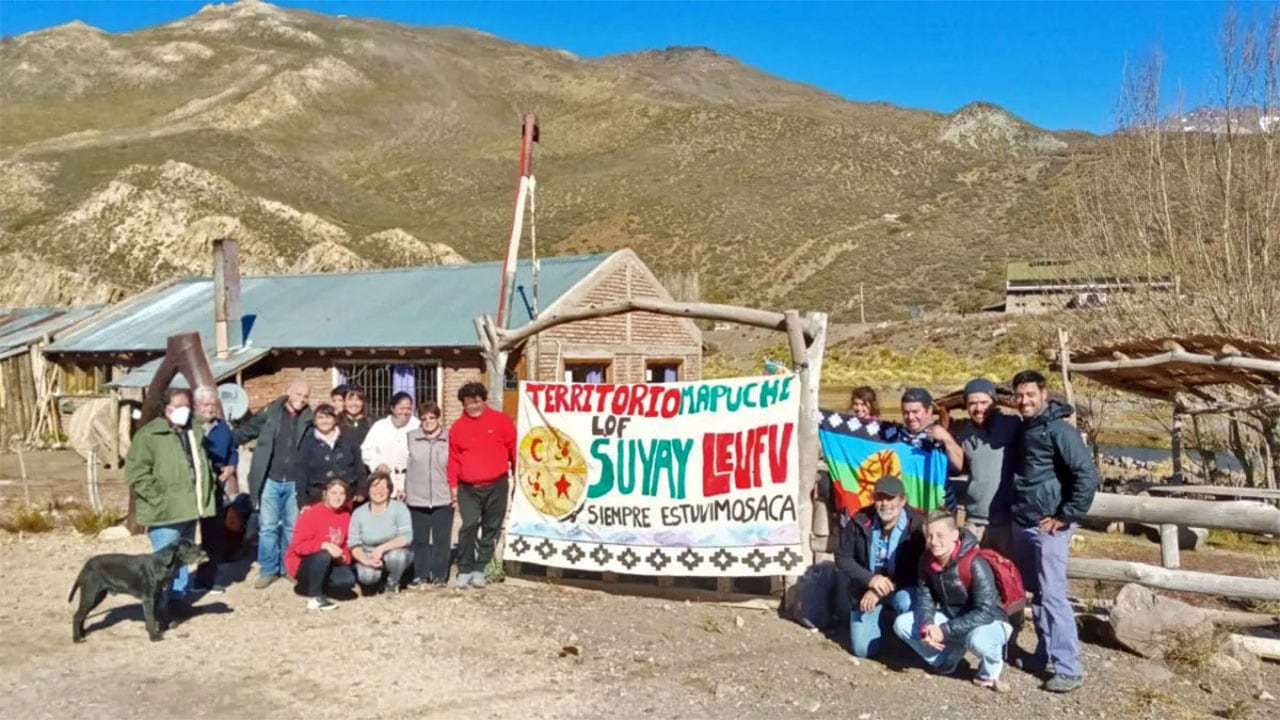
[173, 479]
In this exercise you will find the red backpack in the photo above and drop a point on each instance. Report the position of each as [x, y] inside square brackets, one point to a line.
[1013, 596]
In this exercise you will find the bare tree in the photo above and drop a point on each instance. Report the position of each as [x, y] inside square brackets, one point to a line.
[1199, 207]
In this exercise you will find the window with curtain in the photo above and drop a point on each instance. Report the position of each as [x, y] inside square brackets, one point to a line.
[586, 372]
[662, 372]
[380, 381]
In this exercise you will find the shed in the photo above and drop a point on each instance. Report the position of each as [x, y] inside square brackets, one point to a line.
[28, 384]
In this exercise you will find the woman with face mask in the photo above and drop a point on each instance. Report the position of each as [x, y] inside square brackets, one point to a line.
[386, 448]
[327, 452]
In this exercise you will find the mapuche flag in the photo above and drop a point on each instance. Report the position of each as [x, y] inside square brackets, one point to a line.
[860, 453]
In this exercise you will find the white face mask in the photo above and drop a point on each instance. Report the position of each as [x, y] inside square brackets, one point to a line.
[179, 416]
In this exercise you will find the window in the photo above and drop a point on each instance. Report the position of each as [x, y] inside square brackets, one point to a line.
[380, 381]
[591, 371]
[662, 371]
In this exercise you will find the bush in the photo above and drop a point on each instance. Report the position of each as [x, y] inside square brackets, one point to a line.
[92, 522]
[27, 519]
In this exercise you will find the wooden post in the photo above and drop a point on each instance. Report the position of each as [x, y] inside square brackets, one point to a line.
[22, 467]
[1169, 546]
[807, 431]
[823, 546]
[1064, 356]
[90, 465]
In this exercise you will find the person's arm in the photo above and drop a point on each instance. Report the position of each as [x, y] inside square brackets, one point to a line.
[404, 528]
[955, 453]
[984, 604]
[923, 607]
[454, 467]
[139, 467]
[847, 564]
[250, 429]
[369, 451]
[1077, 495]
[307, 538]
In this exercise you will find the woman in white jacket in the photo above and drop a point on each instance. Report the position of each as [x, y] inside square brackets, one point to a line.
[386, 447]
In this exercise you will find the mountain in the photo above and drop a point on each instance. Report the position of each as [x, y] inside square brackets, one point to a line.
[328, 142]
[1246, 120]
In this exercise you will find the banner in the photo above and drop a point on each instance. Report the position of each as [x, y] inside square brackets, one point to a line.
[859, 454]
[692, 478]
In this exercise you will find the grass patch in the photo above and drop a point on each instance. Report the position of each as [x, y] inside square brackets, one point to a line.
[1246, 543]
[1151, 702]
[27, 519]
[1191, 650]
[92, 522]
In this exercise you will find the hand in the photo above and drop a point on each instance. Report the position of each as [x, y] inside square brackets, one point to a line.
[937, 433]
[332, 549]
[869, 601]
[399, 495]
[376, 556]
[453, 497]
[228, 473]
[357, 499]
[881, 585]
[933, 637]
[1051, 525]
[382, 467]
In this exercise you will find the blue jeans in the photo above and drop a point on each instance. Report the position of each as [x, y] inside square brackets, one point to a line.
[865, 629]
[1042, 560]
[277, 513]
[162, 536]
[985, 641]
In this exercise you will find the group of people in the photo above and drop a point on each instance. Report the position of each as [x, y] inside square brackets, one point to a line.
[341, 501]
[936, 582]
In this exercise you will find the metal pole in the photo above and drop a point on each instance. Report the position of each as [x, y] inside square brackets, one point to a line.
[506, 290]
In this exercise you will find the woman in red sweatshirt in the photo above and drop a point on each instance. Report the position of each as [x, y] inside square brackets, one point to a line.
[318, 557]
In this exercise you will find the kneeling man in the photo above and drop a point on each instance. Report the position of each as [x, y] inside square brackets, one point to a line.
[877, 560]
[952, 616]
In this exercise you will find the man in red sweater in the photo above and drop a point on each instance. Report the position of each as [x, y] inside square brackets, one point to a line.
[482, 456]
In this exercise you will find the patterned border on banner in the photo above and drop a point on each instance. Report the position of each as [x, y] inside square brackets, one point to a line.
[655, 560]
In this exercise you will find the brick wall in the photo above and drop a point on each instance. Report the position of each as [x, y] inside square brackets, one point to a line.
[456, 374]
[628, 342]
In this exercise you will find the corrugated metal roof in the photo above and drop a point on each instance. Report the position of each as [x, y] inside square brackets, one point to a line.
[141, 376]
[407, 307]
[20, 327]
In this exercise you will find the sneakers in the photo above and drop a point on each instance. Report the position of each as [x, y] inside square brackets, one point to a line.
[463, 581]
[477, 579]
[1064, 683]
[418, 584]
[992, 683]
[320, 603]
[264, 581]
[211, 590]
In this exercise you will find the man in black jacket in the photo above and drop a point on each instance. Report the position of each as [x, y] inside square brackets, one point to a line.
[1053, 490]
[279, 428]
[952, 616]
[879, 553]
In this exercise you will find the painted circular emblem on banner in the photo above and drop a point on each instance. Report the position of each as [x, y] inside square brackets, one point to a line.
[876, 466]
[553, 471]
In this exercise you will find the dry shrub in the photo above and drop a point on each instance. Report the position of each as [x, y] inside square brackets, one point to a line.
[1191, 649]
[27, 519]
[1151, 702]
[92, 522]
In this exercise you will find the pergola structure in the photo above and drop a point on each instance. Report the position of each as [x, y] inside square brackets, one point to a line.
[1197, 374]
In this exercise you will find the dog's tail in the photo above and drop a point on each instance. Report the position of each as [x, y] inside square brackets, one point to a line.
[75, 586]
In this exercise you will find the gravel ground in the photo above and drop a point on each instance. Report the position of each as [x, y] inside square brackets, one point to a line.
[497, 653]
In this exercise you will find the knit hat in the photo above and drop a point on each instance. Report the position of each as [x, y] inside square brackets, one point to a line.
[980, 385]
[919, 395]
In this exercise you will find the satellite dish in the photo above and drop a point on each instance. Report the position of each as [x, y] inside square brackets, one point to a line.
[235, 401]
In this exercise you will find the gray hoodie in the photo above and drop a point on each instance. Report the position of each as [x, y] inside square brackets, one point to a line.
[427, 475]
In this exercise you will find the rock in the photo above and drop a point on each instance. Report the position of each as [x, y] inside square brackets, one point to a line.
[1146, 623]
[1234, 653]
[737, 620]
[1265, 696]
[1154, 672]
[115, 532]
[1226, 664]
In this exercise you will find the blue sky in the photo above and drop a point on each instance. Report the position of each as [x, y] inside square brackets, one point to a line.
[1056, 64]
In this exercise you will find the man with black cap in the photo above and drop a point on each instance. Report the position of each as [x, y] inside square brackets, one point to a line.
[877, 562]
[989, 441]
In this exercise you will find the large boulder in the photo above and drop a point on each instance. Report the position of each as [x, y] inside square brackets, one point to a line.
[1147, 623]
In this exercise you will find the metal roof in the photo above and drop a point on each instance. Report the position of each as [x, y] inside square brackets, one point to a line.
[140, 377]
[406, 307]
[20, 327]
[1067, 271]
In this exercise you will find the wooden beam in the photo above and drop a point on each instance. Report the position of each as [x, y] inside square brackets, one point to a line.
[1180, 355]
[1169, 558]
[1241, 516]
[1179, 580]
[1268, 648]
[1236, 492]
[767, 319]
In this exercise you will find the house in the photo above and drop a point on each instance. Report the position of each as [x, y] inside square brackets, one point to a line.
[1046, 285]
[405, 329]
[29, 384]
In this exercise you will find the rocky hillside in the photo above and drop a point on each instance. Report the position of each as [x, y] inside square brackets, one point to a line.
[333, 142]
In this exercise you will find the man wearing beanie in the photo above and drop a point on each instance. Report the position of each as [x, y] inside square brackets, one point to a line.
[990, 445]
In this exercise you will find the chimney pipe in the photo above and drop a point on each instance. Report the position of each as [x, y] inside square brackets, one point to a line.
[227, 323]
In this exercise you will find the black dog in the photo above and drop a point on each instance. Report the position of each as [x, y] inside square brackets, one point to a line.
[142, 576]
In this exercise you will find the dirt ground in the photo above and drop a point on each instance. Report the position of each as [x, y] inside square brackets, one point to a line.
[497, 653]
